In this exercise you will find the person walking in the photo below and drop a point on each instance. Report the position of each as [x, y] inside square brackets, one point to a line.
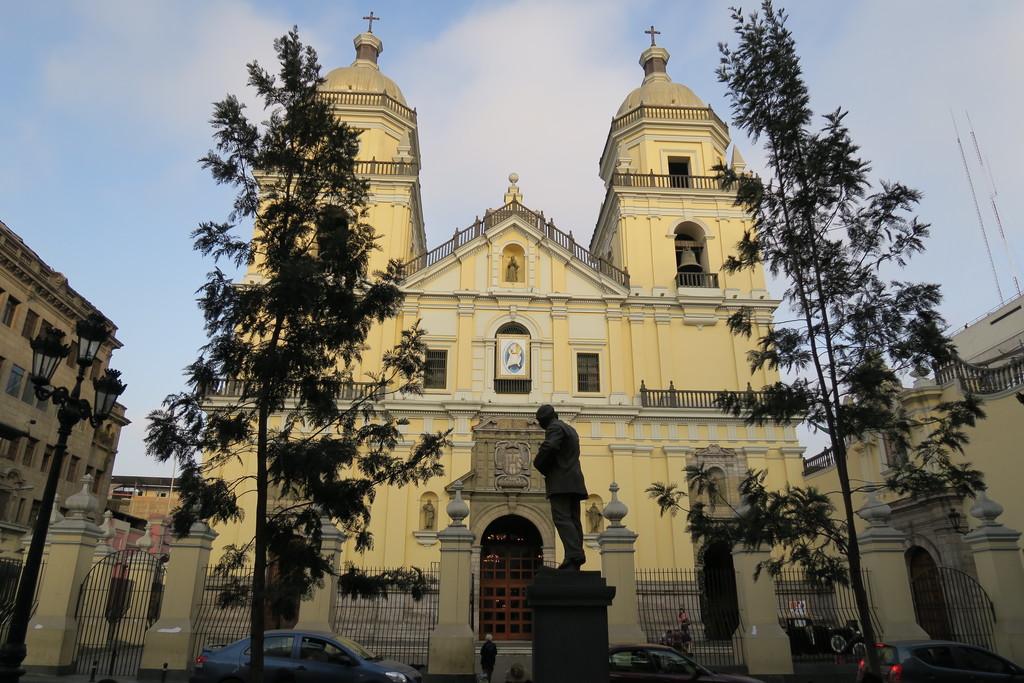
[558, 459]
[488, 655]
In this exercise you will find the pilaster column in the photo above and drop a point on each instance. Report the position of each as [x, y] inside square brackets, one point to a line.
[882, 555]
[169, 640]
[998, 561]
[451, 650]
[71, 544]
[618, 567]
[763, 643]
[318, 612]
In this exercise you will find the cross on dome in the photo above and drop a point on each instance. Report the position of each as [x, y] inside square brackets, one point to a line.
[652, 32]
[372, 19]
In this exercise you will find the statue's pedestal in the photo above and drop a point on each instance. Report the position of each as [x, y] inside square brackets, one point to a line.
[570, 626]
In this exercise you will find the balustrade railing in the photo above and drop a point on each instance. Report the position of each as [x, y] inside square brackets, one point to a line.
[374, 167]
[371, 99]
[682, 398]
[821, 461]
[658, 180]
[707, 280]
[983, 380]
[647, 111]
[235, 388]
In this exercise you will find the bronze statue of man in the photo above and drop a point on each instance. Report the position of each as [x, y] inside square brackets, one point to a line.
[558, 459]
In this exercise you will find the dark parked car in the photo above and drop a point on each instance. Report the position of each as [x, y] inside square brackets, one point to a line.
[660, 664]
[301, 657]
[939, 661]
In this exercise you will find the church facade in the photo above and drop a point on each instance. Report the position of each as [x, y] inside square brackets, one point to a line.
[626, 337]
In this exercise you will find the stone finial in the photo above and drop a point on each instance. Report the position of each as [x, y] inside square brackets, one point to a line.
[108, 527]
[513, 194]
[145, 541]
[985, 510]
[82, 503]
[874, 511]
[55, 515]
[457, 508]
[615, 510]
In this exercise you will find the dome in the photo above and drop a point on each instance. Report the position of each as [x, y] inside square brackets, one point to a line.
[658, 88]
[363, 75]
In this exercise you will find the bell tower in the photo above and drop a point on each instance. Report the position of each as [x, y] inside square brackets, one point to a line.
[389, 150]
[666, 218]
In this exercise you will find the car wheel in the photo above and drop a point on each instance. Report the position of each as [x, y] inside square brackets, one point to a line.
[858, 649]
[838, 644]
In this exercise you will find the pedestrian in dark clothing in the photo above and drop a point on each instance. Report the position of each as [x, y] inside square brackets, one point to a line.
[488, 654]
[558, 459]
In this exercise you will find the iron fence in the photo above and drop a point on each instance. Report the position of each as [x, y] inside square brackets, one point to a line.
[394, 625]
[709, 600]
[10, 575]
[219, 621]
[821, 619]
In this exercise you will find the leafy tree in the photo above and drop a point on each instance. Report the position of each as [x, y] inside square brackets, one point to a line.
[822, 229]
[285, 343]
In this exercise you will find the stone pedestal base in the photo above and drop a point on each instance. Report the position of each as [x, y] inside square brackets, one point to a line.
[570, 626]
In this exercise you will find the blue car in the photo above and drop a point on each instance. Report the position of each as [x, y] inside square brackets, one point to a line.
[291, 656]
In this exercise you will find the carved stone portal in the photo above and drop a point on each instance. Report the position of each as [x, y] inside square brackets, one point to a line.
[512, 465]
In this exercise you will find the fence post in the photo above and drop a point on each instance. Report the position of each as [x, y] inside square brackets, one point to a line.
[52, 630]
[882, 556]
[318, 612]
[763, 643]
[618, 567]
[450, 655]
[169, 639]
[1000, 573]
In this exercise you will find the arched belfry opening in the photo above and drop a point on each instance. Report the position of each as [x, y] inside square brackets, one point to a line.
[510, 556]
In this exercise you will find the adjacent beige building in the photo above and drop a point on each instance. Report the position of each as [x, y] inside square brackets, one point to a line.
[34, 297]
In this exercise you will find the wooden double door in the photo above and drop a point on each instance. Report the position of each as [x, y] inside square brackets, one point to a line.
[510, 556]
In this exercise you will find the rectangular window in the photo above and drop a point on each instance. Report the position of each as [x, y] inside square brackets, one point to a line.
[28, 330]
[33, 512]
[47, 459]
[73, 468]
[588, 373]
[29, 456]
[435, 372]
[9, 311]
[28, 393]
[14, 380]
[11, 452]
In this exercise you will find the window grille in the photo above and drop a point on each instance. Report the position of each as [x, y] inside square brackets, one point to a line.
[435, 373]
[588, 375]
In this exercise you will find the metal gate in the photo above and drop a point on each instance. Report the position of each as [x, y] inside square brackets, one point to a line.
[708, 599]
[119, 601]
[951, 605]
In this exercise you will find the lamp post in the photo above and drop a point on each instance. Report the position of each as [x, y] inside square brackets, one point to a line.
[48, 350]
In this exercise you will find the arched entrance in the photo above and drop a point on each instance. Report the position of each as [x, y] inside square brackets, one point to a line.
[718, 591]
[929, 599]
[510, 556]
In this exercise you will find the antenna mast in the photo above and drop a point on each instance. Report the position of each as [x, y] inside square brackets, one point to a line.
[977, 209]
[993, 193]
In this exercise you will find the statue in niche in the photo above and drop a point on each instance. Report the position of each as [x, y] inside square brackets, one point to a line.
[512, 270]
[594, 518]
[512, 465]
[429, 515]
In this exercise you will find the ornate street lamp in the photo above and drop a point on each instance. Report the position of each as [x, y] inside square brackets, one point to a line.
[48, 350]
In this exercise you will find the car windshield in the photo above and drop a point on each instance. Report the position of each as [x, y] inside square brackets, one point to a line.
[670, 662]
[887, 656]
[360, 651]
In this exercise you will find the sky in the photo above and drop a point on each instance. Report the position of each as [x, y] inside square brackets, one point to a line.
[104, 109]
